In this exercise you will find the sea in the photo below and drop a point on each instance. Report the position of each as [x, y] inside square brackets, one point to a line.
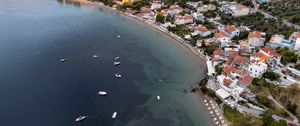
[36, 89]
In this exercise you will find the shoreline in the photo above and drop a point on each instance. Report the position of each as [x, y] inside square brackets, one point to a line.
[195, 96]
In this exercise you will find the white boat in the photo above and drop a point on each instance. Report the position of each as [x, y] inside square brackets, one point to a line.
[114, 115]
[63, 60]
[117, 63]
[158, 97]
[117, 58]
[102, 93]
[80, 118]
[118, 75]
[95, 56]
[118, 36]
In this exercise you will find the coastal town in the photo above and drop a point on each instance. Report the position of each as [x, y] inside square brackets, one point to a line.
[252, 57]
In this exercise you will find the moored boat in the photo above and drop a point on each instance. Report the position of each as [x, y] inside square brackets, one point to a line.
[80, 118]
[118, 75]
[63, 60]
[102, 93]
[117, 63]
[114, 115]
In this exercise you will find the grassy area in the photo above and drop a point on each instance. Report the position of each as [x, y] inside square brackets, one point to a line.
[236, 118]
[288, 97]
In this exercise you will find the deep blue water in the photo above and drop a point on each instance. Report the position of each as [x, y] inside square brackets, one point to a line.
[37, 90]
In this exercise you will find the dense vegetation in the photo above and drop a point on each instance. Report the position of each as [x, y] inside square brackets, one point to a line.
[257, 21]
[160, 18]
[271, 75]
[289, 11]
[287, 55]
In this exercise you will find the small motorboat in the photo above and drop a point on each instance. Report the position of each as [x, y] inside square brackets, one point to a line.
[158, 97]
[63, 60]
[80, 118]
[102, 93]
[118, 75]
[114, 115]
[118, 36]
[95, 56]
[117, 63]
[117, 58]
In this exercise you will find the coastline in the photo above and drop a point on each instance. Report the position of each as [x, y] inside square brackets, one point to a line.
[199, 57]
[195, 96]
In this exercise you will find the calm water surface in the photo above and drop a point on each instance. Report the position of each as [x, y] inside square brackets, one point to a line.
[37, 90]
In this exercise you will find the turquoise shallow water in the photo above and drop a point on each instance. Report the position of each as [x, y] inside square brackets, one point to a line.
[37, 90]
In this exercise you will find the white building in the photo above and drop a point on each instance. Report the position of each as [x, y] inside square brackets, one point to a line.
[205, 8]
[203, 32]
[295, 38]
[235, 9]
[179, 20]
[155, 6]
[222, 38]
[256, 69]
[232, 31]
[256, 39]
[173, 10]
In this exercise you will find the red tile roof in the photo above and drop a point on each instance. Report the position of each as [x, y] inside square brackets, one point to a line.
[145, 9]
[246, 80]
[162, 13]
[254, 34]
[227, 82]
[228, 62]
[217, 52]
[203, 29]
[240, 59]
[259, 54]
[270, 52]
[221, 35]
[216, 60]
[229, 70]
[230, 28]
[232, 54]
[297, 35]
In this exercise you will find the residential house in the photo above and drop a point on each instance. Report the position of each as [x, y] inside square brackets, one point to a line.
[245, 81]
[222, 38]
[173, 10]
[145, 9]
[234, 9]
[257, 69]
[203, 31]
[199, 16]
[295, 38]
[273, 58]
[205, 8]
[193, 5]
[275, 41]
[155, 6]
[232, 31]
[256, 39]
[179, 20]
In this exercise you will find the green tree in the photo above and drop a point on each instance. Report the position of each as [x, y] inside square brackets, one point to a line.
[297, 66]
[160, 18]
[271, 75]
